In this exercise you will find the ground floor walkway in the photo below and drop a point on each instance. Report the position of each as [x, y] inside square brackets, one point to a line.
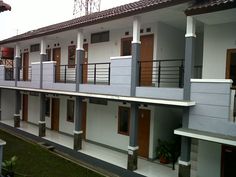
[146, 168]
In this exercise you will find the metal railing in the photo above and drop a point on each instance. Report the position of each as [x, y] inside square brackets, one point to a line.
[161, 73]
[9, 74]
[96, 73]
[65, 73]
[25, 73]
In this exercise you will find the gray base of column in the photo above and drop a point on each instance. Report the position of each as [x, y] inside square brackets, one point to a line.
[184, 171]
[132, 160]
[42, 129]
[16, 121]
[78, 141]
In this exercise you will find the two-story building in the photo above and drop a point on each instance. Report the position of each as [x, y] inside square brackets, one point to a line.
[126, 77]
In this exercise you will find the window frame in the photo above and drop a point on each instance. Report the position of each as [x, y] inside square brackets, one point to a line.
[119, 120]
[71, 65]
[73, 111]
[121, 46]
[34, 48]
[100, 36]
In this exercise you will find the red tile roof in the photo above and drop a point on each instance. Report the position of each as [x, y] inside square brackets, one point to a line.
[207, 6]
[4, 6]
[98, 17]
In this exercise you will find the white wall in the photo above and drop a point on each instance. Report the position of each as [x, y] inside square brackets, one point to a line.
[217, 39]
[170, 42]
[165, 122]
[7, 104]
[33, 109]
[209, 159]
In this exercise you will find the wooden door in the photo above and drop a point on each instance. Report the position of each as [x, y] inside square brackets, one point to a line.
[84, 115]
[55, 114]
[25, 108]
[231, 66]
[85, 67]
[146, 58]
[25, 67]
[144, 132]
[57, 58]
[228, 161]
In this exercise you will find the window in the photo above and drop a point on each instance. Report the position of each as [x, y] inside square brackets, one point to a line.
[48, 54]
[35, 48]
[71, 56]
[126, 46]
[123, 120]
[47, 107]
[70, 110]
[100, 37]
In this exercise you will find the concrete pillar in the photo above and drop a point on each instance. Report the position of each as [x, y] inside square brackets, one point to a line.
[133, 139]
[17, 109]
[78, 132]
[43, 57]
[184, 162]
[79, 59]
[17, 64]
[2, 143]
[42, 122]
[136, 55]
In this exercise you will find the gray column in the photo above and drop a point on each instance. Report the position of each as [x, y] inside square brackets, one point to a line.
[42, 123]
[78, 132]
[188, 65]
[2, 143]
[133, 138]
[79, 68]
[42, 59]
[17, 109]
[17, 70]
[136, 47]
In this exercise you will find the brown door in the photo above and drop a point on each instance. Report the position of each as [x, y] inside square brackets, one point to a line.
[228, 161]
[231, 66]
[25, 67]
[85, 67]
[146, 57]
[25, 108]
[84, 114]
[55, 114]
[143, 132]
[57, 58]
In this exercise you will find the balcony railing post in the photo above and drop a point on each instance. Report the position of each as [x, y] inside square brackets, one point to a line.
[159, 74]
[65, 74]
[140, 71]
[181, 75]
[95, 70]
[109, 74]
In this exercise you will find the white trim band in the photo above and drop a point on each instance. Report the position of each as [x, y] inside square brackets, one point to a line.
[133, 148]
[79, 49]
[212, 81]
[78, 132]
[42, 122]
[16, 115]
[136, 42]
[184, 163]
[43, 53]
[190, 35]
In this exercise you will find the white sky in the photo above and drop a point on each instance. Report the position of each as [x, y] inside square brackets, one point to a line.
[32, 14]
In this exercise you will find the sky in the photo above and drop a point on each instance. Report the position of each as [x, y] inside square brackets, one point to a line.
[27, 15]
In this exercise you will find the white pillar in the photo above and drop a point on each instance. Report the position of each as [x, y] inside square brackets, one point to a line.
[190, 27]
[80, 40]
[136, 30]
[17, 51]
[42, 47]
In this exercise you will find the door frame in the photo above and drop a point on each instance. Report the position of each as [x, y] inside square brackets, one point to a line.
[58, 63]
[228, 58]
[25, 66]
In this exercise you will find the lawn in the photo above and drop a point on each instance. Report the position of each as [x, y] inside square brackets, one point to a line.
[35, 161]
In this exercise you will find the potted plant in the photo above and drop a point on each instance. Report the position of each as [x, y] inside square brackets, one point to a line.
[8, 166]
[164, 152]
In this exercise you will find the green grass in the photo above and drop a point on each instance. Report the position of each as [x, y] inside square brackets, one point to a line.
[35, 161]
